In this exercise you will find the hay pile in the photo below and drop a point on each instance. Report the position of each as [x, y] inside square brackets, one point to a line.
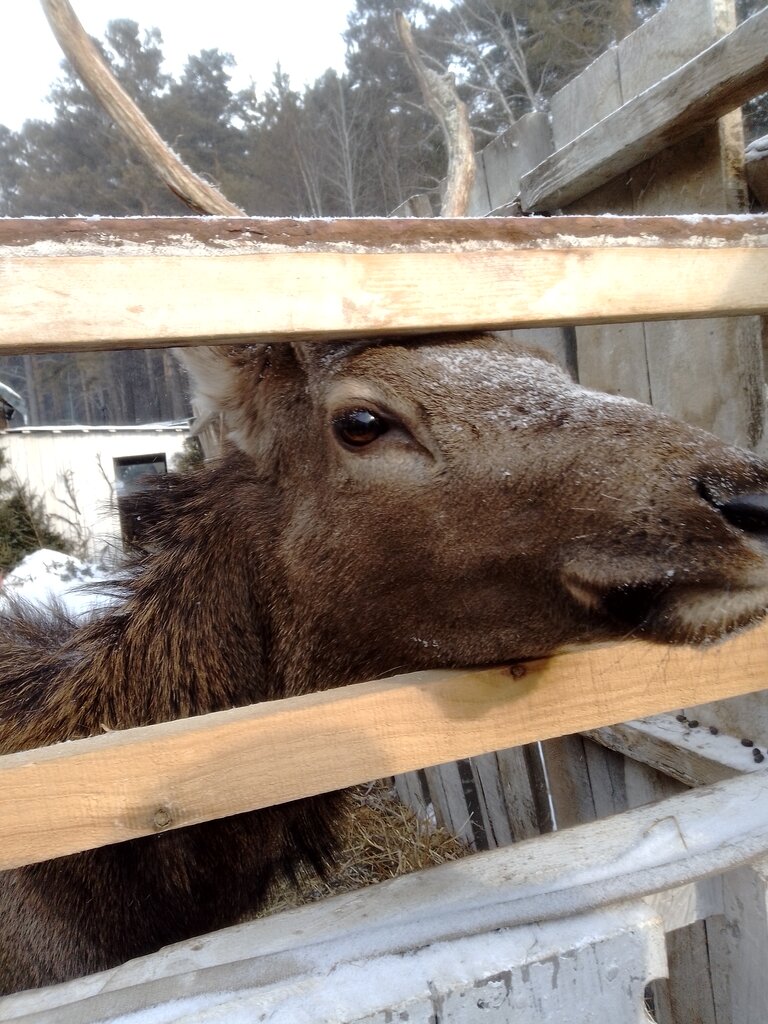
[382, 839]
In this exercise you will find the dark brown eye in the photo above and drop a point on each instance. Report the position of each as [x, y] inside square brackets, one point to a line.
[359, 427]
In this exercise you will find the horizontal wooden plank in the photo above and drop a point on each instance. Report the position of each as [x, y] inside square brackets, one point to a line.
[99, 284]
[95, 236]
[115, 787]
[692, 755]
[718, 80]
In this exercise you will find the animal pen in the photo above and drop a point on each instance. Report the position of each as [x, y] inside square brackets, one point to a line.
[657, 913]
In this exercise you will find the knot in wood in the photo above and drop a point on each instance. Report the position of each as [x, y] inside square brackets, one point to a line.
[161, 819]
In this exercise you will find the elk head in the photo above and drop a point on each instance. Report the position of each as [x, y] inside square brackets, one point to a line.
[460, 501]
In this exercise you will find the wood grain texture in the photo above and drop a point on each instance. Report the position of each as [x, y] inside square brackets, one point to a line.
[737, 943]
[693, 756]
[722, 389]
[715, 82]
[510, 155]
[114, 286]
[119, 786]
[101, 236]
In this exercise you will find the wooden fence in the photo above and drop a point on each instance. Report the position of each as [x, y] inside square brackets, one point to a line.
[626, 137]
[262, 755]
[709, 373]
[85, 284]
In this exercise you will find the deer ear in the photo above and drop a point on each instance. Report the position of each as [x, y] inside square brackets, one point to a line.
[225, 382]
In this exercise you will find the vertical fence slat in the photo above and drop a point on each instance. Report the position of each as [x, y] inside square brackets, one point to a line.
[410, 789]
[490, 794]
[738, 943]
[446, 790]
[523, 815]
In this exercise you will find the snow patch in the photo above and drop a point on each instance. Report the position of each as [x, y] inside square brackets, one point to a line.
[46, 577]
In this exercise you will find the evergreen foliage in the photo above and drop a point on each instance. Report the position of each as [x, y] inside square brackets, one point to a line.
[190, 457]
[24, 525]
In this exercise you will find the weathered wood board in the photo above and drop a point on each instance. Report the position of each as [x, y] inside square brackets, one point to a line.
[600, 868]
[710, 373]
[86, 793]
[673, 108]
[691, 754]
[98, 284]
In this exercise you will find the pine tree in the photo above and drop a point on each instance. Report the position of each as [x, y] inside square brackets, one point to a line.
[24, 524]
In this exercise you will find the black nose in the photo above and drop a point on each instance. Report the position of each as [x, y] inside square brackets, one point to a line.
[748, 512]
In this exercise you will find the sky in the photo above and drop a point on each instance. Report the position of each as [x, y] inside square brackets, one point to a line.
[303, 35]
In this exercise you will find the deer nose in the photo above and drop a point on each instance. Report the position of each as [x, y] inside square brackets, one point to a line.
[747, 512]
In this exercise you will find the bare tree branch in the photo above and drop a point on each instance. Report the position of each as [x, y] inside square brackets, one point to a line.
[98, 78]
[440, 95]
[513, 47]
[491, 78]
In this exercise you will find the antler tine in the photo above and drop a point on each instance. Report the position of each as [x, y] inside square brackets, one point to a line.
[92, 69]
[439, 92]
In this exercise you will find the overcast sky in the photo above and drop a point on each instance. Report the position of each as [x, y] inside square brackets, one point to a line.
[304, 35]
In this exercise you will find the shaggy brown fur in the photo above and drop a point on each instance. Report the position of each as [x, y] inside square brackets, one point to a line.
[497, 511]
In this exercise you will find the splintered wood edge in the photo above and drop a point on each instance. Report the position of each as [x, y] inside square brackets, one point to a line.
[98, 284]
[107, 789]
[105, 235]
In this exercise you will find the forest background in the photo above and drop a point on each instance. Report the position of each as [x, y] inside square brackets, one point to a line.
[352, 144]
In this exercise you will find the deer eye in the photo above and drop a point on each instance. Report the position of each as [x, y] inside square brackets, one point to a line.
[359, 427]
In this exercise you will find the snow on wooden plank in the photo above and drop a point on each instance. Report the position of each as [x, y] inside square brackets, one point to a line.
[101, 283]
[119, 786]
[546, 972]
[715, 82]
[691, 754]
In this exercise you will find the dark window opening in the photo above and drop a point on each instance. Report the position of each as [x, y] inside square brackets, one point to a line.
[134, 473]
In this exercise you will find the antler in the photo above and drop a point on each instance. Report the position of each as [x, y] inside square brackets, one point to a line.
[440, 95]
[91, 67]
[198, 194]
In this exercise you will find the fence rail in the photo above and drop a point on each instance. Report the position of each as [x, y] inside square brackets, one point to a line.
[183, 280]
[180, 773]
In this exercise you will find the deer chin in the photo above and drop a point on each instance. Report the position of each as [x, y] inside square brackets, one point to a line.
[668, 612]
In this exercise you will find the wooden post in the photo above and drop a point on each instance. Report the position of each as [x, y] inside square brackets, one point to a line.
[738, 943]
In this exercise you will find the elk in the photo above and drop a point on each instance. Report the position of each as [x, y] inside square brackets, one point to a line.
[383, 506]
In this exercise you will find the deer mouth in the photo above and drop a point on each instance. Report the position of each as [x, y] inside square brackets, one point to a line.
[664, 611]
[627, 606]
[634, 604]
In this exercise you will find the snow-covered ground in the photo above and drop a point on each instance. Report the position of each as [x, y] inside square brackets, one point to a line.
[46, 576]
